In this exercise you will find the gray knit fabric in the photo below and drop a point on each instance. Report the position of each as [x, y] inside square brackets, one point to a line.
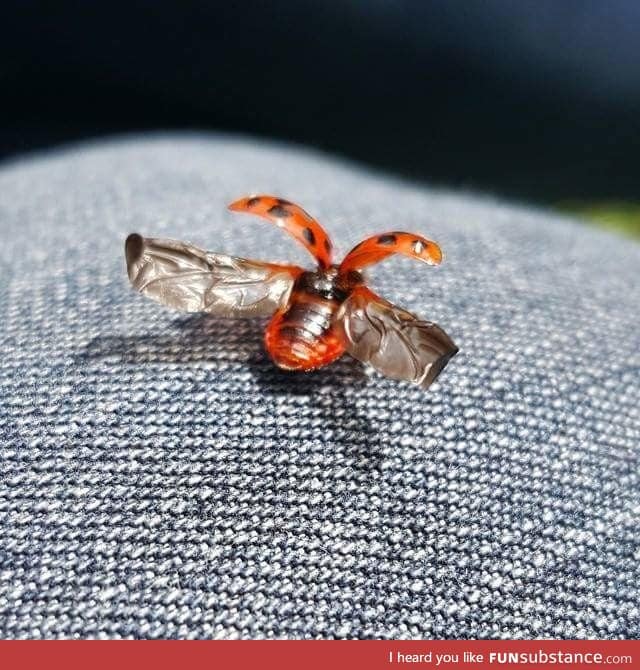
[160, 478]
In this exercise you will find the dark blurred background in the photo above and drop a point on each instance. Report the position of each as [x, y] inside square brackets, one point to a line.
[539, 100]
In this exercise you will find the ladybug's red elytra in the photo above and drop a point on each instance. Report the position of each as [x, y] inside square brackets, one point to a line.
[316, 315]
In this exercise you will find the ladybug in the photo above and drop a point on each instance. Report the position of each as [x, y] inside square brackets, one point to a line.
[316, 315]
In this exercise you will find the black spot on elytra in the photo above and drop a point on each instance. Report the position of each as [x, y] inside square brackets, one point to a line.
[252, 202]
[279, 211]
[387, 240]
[309, 236]
[327, 246]
[283, 202]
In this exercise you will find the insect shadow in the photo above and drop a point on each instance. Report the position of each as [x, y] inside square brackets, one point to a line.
[201, 338]
[192, 339]
[331, 392]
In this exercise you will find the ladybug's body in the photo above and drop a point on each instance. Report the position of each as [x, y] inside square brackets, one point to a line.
[302, 335]
[316, 316]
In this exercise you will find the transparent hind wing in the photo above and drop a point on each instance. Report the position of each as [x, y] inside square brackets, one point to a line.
[392, 340]
[189, 279]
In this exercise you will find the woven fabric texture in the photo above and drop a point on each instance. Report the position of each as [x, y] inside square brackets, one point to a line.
[160, 478]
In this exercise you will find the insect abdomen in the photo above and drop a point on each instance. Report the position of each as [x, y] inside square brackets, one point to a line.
[301, 336]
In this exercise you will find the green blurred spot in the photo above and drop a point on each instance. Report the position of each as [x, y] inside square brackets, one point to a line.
[623, 217]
